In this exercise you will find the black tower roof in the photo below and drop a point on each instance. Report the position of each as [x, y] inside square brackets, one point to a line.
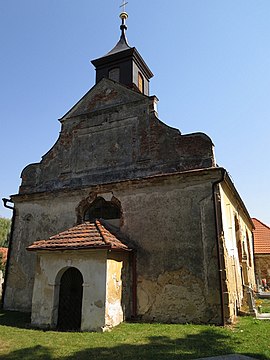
[130, 68]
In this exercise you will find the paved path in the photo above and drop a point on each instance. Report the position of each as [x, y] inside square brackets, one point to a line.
[228, 357]
[264, 295]
[263, 316]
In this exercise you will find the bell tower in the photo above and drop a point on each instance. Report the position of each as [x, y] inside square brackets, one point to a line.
[124, 64]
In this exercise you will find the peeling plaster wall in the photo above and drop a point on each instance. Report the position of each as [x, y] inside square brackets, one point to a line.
[50, 267]
[36, 219]
[121, 138]
[173, 229]
[114, 312]
[177, 296]
[169, 220]
[118, 288]
[234, 278]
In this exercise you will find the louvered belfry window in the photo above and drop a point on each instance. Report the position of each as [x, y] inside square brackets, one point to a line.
[140, 83]
[114, 74]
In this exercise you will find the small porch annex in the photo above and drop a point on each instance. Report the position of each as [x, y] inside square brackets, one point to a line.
[83, 279]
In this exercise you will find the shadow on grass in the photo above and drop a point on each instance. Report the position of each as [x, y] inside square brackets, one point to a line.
[153, 351]
[15, 319]
[209, 342]
[35, 353]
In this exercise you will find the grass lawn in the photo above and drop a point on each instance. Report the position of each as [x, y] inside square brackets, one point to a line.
[133, 341]
[264, 304]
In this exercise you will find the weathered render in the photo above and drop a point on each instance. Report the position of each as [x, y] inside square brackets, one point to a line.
[101, 308]
[113, 134]
[238, 251]
[162, 190]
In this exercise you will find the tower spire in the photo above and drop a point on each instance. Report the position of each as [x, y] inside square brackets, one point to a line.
[123, 15]
[124, 64]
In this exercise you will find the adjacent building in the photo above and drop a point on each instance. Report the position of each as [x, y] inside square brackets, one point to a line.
[261, 235]
[3, 260]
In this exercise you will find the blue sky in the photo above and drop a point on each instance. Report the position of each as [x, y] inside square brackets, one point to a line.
[211, 60]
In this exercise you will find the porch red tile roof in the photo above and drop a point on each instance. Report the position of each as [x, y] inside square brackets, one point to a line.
[261, 235]
[89, 235]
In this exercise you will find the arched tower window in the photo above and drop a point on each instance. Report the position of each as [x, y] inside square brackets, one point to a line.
[140, 83]
[114, 74]
[102, 209]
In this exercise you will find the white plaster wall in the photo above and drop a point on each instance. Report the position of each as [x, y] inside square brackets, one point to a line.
[50, 267]
[114, 311]
[36, 219]
[230, 208]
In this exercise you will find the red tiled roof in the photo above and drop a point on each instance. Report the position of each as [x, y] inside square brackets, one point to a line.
[94, 235]
[261, 237]
[4, 252]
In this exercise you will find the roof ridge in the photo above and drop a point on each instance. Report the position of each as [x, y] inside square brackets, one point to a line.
[261, 223]
[100, 226]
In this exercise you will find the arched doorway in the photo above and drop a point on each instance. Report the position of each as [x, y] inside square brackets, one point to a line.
[70, 300]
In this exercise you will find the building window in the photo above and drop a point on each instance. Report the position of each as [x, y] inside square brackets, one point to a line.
[114, 74]
[102, 209]
[238, 239]
[140, 83]
[244, 253]
[249, 249]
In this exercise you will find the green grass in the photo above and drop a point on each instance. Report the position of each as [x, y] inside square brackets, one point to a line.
[133, 341]
[265, 305]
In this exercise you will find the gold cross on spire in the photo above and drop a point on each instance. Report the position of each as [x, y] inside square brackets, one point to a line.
[123, 6]
[123, 15]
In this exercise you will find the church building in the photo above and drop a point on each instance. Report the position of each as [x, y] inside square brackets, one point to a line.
[125, 218]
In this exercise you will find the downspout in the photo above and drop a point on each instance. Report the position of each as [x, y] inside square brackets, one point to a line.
[257, 279]
[134, 284]
[219, 229]
[5, 202]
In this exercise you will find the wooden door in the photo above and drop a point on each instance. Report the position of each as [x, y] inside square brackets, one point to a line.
[70, 300]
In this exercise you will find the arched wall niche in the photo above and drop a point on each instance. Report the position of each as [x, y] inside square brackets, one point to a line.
[98, 206]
